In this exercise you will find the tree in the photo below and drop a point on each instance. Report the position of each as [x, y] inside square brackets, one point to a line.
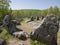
[50, 10]
[56, 10]
[4, 8]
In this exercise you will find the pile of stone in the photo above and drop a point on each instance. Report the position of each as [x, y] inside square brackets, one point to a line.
[47, 31]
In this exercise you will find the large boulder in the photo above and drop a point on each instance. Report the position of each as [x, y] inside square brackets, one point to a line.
[12, 29]
[10, 24]
[47, 32]
[21, 35]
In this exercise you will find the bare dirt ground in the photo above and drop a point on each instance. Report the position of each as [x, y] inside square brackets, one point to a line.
[27, 29]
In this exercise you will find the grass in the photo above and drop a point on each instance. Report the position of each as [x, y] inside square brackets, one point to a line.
[5, 36]
[36, 43]
[33, 43]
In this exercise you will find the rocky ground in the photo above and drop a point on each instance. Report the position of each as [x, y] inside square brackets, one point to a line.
[27, 27]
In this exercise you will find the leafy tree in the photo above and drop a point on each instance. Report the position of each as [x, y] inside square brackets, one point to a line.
[50, 10]
[56, 10]
[4, 8]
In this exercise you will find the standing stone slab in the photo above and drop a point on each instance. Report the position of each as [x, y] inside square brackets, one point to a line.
[47, 32]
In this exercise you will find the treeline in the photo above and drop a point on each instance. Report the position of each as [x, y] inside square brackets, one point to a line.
[31, 12]
[19, 14]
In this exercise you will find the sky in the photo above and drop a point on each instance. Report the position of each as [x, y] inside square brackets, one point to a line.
[33, 4]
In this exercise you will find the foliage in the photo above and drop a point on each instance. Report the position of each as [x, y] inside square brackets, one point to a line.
[5, 35]
[30, 12]
[4, 8]
[38, 43]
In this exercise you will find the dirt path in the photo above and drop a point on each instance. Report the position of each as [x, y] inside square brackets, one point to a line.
[27, 29]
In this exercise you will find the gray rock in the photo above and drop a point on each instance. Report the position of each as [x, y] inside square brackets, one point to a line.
[21, 35]
[47, 31]
[0, 23]
[1, 29]
[32, 18]
[10, 24]
[2, 42]
[37, 17]
[11, 28]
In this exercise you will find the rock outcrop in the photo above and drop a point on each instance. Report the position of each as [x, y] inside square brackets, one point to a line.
[11, 27]
[47, 31]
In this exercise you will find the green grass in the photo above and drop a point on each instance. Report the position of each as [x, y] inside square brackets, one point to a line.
[36, 43]
[26, 19]
[5, 35]
[33, 43]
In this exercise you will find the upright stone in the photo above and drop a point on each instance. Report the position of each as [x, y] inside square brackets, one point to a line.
[37, 17]
[12, 29]
[32, 18]
[47, 32]
[9, 24]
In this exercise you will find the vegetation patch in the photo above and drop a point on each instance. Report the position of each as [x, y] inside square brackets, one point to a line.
[5, 35]
[36, 43]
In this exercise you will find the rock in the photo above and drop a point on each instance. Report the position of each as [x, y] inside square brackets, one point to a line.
[6, 20]
[21, 35]
[2, 42]
[32, 18]
[42, 17]
[1, 29]
[11, 28]
[10, 24]
[37, 17]
[0, 23]
[47, 31]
